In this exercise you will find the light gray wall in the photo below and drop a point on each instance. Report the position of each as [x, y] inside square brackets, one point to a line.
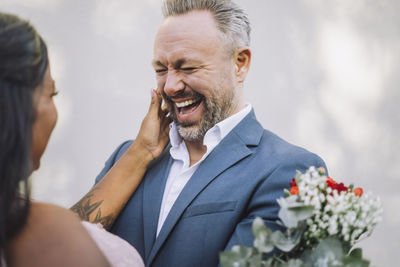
[324, 76]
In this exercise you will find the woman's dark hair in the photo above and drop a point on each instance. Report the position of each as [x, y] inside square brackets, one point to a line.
[23, 63]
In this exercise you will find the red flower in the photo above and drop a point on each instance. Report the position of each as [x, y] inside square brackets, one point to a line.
[330, 182]
[293, 183]
[294, 190]
[340, 187]
[358, 191]
[335, 186]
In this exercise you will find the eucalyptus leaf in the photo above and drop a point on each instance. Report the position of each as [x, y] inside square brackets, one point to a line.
[292, 212]
[229, 258]
[302, 212]
[259, 227]
[263, 236]
[255, 260]
[329, 252]
[286, 192]
[243, 251]
[286, 241]
[293, 263]
[354, 262]
[356, 253]
[238, 256]
[269, 262]
[355, 259]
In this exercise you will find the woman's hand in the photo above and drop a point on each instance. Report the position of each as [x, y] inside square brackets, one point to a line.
[153, 135]
[107, 198]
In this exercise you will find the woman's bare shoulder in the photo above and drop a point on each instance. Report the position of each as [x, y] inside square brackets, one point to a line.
[40, 209]
[53, 236]
[52, 215]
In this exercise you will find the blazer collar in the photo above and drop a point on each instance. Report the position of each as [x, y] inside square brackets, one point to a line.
[154, 183]
[233, 148]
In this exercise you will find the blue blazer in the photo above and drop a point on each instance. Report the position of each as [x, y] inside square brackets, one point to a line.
[238, 181]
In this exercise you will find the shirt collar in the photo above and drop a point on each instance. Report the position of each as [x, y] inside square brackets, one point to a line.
[212, 137]
[174, 136]
[229, 123]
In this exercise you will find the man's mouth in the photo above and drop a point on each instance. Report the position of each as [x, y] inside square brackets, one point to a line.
[188, 106]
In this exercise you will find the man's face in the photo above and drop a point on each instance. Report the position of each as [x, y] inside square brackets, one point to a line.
[195, 73]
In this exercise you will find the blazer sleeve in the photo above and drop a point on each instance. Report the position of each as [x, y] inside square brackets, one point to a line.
[119, 151]
[263, 202]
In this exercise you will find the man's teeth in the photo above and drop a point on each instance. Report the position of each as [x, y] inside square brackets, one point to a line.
[185, 104]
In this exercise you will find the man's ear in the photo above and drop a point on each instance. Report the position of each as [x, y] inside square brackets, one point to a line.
[242, 63]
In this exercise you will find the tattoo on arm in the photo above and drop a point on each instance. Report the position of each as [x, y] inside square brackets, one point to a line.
[84, 208]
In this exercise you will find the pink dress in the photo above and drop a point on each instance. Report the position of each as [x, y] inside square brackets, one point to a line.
[118, 252]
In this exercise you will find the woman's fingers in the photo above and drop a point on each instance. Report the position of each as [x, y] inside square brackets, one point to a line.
[155, 104]
[153, 133]
[163, 113]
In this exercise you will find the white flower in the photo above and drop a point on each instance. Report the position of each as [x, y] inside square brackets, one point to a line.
[342, 215]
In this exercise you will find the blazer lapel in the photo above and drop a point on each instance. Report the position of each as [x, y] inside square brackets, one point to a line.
[232, 149]
[154, 183]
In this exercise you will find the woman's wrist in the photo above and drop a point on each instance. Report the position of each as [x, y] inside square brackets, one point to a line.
[141, 152]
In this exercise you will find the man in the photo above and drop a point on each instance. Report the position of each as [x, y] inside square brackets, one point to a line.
[221, 169]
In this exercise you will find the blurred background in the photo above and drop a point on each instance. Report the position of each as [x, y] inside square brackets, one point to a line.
[324, 76]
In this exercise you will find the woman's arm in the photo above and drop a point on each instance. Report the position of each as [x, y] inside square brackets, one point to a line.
[105, 200]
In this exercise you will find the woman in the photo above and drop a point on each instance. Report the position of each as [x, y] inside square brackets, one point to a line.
[39, 234]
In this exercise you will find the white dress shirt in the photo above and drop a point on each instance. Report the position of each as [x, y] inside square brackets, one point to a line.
[181, 171]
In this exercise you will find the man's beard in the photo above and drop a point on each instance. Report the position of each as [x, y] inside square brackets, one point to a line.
[216, 109]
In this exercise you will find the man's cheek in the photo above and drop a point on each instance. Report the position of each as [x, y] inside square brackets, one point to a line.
[160, 84]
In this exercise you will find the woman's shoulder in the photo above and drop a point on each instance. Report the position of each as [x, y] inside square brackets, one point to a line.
[53, 236]
[47, 221]
[52, 215]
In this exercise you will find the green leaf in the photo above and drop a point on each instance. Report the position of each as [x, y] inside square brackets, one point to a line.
[239, 256]
[329, 252]
[243, 251]
[302, 212]
[269, 262]
[259, 227]
[255, 260]
[292, 212]
[353, 262]
[286, 192]
[229, 258]
[292, 263]
[263, 241]
[321, 171]
[354, 259]
[286, 241]
[356, 253]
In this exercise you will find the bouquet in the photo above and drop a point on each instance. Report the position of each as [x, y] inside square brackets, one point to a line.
[324, 219]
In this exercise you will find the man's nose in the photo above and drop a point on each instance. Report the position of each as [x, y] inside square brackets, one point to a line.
[173, 84]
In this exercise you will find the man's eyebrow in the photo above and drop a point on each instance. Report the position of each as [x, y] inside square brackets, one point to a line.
[155, 63]
[190, 61]
[178, 63]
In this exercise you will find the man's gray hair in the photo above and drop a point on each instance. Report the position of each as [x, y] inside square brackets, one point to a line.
[232, 20]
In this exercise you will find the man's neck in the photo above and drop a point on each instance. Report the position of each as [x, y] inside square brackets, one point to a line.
[196, 150]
